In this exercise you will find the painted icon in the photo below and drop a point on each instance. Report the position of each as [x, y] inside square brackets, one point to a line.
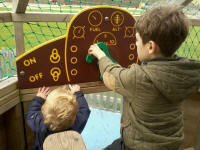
[129, 32]
[79, 32]
[54, 57]
[55, 73]
[95, 18]
[117, 18]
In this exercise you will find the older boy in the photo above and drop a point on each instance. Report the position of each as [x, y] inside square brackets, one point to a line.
[154, 91]
[56, 111]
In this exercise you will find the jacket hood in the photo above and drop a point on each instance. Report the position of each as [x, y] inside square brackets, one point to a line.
[176, 78]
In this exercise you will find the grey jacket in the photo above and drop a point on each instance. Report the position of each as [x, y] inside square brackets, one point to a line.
[153, 93]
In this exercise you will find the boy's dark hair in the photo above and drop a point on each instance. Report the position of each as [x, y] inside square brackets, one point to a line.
[167, 26]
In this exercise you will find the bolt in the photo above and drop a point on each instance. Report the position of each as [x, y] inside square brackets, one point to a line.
[106, 18]
[22, 73]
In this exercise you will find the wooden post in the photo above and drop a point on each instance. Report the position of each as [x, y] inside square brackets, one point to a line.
[19, 6]
[19, 38]
[183, 2]
[30, 137]
[186, 2]
[11, 116]
[13, 120]
[16, 114]
[2, 133]
[5, 17]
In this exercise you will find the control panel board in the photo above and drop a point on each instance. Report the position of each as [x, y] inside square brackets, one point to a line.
[63, 60]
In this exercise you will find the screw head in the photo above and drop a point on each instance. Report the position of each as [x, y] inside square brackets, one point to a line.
[106, 18]
[22, 73]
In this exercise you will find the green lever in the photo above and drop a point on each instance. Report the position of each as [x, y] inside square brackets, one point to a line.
[104, 48]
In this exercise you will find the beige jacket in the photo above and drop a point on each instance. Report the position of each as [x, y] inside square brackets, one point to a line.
[153, 93]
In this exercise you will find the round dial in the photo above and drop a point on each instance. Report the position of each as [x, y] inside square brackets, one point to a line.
[95, 18]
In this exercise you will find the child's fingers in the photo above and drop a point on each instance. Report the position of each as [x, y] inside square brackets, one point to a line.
[76, 86]
[70, 86]
[42, 90]
[47, 91]
[92, 49]
[39, 89]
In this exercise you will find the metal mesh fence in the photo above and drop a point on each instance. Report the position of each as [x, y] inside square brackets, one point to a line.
[7, 51]
[39, 32]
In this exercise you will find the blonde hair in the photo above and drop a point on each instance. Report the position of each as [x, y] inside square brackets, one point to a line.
[60, 109]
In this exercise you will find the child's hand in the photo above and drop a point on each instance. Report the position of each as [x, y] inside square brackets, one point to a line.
[74, 88]
[96, 51]
[43, 92]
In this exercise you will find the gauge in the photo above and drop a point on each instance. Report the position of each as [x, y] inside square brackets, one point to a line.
[79, 32]
[95, 18]
[106, 37]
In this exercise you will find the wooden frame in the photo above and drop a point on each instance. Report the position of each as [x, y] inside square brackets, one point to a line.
[42, 17]
[19, 6]
[183, 2]
[28, 94]
[5, 17]
[53, 17]
[9, 94]
[11, 116]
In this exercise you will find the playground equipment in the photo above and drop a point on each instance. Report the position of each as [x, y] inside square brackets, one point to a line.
[14, 133]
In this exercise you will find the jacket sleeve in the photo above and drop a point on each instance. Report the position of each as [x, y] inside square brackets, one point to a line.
[33, 116]
[124, 78]
[83, 112]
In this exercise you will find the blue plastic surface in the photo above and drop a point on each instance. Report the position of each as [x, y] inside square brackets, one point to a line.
[102, 128]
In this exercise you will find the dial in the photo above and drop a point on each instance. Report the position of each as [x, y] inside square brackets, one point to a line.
[106, 37]
[79, 32]
[95, 18]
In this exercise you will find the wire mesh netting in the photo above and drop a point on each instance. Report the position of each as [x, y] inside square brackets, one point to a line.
[7, 51]
[36, 33]
[39, 32]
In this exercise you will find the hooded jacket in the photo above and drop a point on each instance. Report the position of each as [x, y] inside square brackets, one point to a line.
[35, 121]
[153, 93]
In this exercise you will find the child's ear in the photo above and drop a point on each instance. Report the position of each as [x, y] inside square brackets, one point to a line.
[152, 47]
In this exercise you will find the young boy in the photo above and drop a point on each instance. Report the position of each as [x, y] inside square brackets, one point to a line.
[56, 111]
[154, 91]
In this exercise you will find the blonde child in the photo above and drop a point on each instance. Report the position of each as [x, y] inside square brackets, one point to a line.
[56, 111]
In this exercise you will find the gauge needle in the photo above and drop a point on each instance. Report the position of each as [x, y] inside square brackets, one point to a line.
[94, 17]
